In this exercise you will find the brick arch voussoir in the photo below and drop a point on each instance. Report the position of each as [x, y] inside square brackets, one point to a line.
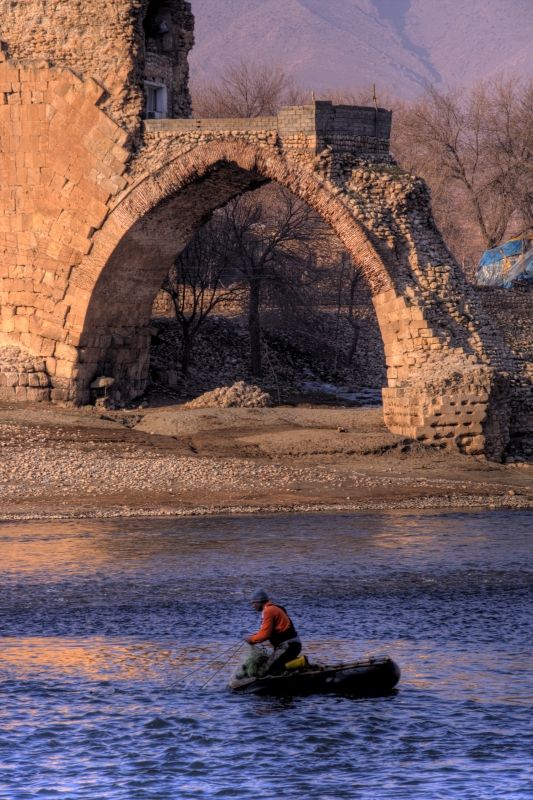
[183, 170]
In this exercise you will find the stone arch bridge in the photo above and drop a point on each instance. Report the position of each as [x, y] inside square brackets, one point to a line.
[90, 226]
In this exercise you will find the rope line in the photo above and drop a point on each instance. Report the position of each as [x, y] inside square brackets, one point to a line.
[223, 665]
[211, 661]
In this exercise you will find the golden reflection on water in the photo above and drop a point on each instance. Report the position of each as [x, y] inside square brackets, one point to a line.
[85, 547]
[36, 551]
[97, 659]
[80, 549]
[108, 659]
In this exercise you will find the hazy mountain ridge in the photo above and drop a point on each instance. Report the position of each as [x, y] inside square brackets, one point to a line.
[399, 44]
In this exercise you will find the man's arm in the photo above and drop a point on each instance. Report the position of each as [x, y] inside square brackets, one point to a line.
[265, 631]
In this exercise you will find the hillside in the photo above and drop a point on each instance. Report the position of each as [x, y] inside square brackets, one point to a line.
[398, 44]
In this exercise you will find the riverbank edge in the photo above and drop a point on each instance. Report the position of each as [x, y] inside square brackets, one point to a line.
[464, 503]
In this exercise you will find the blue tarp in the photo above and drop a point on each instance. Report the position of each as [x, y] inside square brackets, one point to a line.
[503, 265]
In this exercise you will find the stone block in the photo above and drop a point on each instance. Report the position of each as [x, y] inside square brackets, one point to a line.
[65, 352]
[52, 330]
[11, 378]
[20, 324]
[47, 347]
[59, 395]
[468, 429]
[35, 395]
[475, 446]
[64, 369]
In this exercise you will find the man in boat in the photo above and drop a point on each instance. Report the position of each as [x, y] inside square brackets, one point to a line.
[277, 629]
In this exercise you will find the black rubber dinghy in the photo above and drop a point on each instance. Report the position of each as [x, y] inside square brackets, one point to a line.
[374, 677]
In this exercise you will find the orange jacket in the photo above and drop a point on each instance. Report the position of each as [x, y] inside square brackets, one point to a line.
[274, 620]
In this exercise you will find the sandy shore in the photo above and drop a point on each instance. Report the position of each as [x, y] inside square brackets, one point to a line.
[66, 463]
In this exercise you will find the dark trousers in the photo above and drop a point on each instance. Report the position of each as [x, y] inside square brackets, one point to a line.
[284, 652]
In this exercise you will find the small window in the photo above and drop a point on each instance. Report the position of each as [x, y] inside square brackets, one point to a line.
[156, 100]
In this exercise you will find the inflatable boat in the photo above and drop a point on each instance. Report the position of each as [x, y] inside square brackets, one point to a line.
[373, 677]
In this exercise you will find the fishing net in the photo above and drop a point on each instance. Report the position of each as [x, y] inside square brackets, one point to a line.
[254, 664]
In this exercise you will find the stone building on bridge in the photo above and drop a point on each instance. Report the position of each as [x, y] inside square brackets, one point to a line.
[104, 180]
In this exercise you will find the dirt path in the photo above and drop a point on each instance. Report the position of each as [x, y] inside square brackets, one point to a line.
[65, 463]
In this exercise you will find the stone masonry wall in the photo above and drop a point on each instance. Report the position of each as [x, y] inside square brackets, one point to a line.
[168, 35]
[511, 311]
[23, 377]
[304, 130]
[61, 160]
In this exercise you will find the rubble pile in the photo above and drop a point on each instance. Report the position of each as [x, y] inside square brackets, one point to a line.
[240, 395]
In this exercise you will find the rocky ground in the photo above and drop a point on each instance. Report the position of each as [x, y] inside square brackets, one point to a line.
[292, 360]
[166, 460]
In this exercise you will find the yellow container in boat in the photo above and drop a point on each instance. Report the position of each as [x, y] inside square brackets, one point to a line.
[296, 663]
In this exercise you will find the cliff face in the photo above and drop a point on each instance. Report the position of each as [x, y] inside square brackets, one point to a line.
[119, 43]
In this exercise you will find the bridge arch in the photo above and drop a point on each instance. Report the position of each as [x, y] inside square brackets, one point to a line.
[179, 198]
[149, 226]
[436, 362]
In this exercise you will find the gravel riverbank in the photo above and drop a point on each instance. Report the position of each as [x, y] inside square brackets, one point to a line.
[67, 463]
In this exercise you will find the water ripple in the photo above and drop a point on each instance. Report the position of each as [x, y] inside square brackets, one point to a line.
[110, 631]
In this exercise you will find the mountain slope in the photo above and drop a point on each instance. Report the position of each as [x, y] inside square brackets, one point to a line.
[399, 44]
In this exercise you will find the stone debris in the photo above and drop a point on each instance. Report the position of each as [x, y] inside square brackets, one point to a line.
[240, 395]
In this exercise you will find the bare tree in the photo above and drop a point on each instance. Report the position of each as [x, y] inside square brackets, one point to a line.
[196, 284]
[510, 144]
[271, 243]
[246, 89]
[354, 290]
[475, 150]
[270, 254]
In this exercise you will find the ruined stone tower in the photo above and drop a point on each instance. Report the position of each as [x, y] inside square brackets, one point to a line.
[135, 49]
[104, 180]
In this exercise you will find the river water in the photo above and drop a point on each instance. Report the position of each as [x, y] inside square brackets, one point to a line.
[103, 623]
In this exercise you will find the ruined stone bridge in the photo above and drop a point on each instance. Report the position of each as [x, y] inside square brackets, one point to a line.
[97, 203]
